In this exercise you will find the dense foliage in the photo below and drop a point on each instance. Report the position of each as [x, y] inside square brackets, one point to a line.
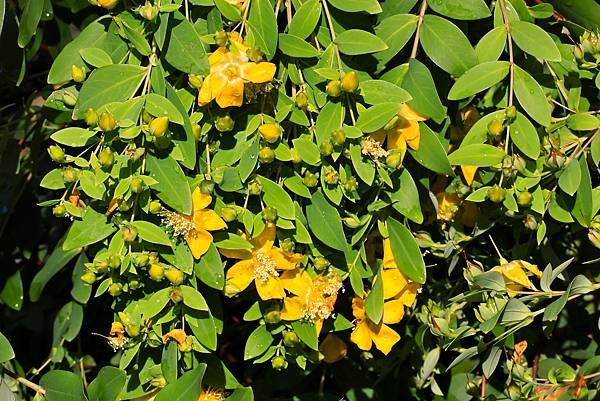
[300, 200]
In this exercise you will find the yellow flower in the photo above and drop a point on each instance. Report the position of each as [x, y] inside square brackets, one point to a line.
[195, 227]
[333, 349]
[396, 286]
[313, 299]
[449, 204]
[229, 71]
[212, 394]
[261, 264]
[405, 133]
[469, 173]
[366, 332]
[177, 334]
[515, 275]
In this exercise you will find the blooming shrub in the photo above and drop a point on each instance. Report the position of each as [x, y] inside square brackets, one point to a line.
[316, 200]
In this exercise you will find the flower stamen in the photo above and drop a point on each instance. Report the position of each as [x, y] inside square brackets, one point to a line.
[265, 267]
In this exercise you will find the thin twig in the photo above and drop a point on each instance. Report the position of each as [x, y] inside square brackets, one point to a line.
[332, 33]
[35, 387]
[511, 60]
[415, 47]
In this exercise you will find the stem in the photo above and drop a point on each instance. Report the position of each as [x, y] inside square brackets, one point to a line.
[332, 32]
[35, 387]
[511, 59]
[415, 47]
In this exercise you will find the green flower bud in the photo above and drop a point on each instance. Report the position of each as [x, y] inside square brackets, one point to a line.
[392, 123]
[279, 363]
[69, 98]
[125, 205]
[221, 38]
[141, 260]
[197, 131]
[310, 179]
[269, 214]
[114, 262]
[106, 158]
[107, 122]
[394, 160]
[254, 54]
[70, 175]
[266, 155]
[272, 315]
[288, 245]
[59, 210]
[321, 263]
[129, 234]
[495, 128]
[88, 277]
[578, 52]
[207, 186]
[101, 266]
[195, 81]
[296, 159]
[224, 123]
[301, 100]
[77, 73]
[351, 184]
[326, 148]
[228, 214]
[524, 198]
[137, 185]
[290, 339]
[510, 113]
[154, 207]
[338, 137]
[148, 11]
[331, 177]
[352, 222]
[496, 194]
[91, 117]
[115, 289]
[350, 82]
[334, 88]
[175, 276]
[156, 271]
[57, 153]
[158, 127]
[255, 187]
[158, 381]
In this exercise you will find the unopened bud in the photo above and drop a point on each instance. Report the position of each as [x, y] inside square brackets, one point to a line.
[270, 132]
[321, 263]
[255, 188]
[195, 81]
[154, 207]
[334, 88]
[59, 210]
[269, 214]
[70, 175]
[496, 194]
[106, 158]
[350, 82]
[254, 54]
[310, 179]
[524, 198]
[221, 38]
[158, 127]
[495, 128]
[129, 234]
[108, 4]
[279, 363]
[57, 153]
[107, 122]
[175, 276]
[77, 73]
[197, 131]
[148, 11]
[156, 271]
[288, 245]
[331, 177]
[228, 214]
[338, 137]
[137, 185]
[224, 123]
[207, 186]
[291, 339]
[301, 100]
[91, 117]
[88, 277]
[115, 289]
[326, 148]
[266, 155]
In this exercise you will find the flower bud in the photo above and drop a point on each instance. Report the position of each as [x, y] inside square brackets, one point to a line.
[529, 222]
[255, 187]
[495, 128]
[69, 98]
[350, 82]
[101, 266]
[175, 276]
[176, 295]
[158, 126]
[197, 131]
[106, 158]
[310, 179]
[108, 4]
[77, 73]
[288, 245]
[496, 193]
[141, 260]
[301, 100]
[524, 198]
[594, 237]
[519, 163]
[59, 210]
[115, 289]
[326, 148]
[331, 177]
[207, 186]
[334, 88]
[88, 277]
[114, 261]
[228, 214]
[57, 153]
[352, 221]
[156, 271]
[137, 185]
[296, 159]
[224, 123]
[91, 117]
[129, 234]
[321, 263]
[146, 117]
[269, 214]
[70, 175]
[394, 160]
[338, 137]
[510, 113]
[272, 315]
[158, 381]
[351, 184]
[148, 11]
[290, 339]
[221, 38]
[266, 155]
[125, 205]
[107, 122]
[254, 54]
[578, 52]
[195, 81]
[270, 132]
[154, 207]
[279, 363]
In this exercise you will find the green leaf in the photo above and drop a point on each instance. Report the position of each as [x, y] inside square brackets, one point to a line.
[377, 91]
[352, 6]
[91, 229]
[193, 299]
[374, 300]
[262, 27]
[377, 116]
[258, 342]
[295, 46]
[307, 332]
[183, 49]
[95, 56]
[307, 150]
[137, 39]
[227, 10]
[481, 155]
[491, 45]
[570, 178]
[406, 252]
[168, 361]
[73, 136]
[12, 291]
[552, 311]
[107, 385]
[30, 18]
[357, 41]
[160, 106]
[172, 185]
[525, 136]
[419, 83]
[583, 122]
[305, 19]
[406, 198]
[325, 222]
[461, 9]
[479, 78]
[330, 118]
[186, 388]
[583, 210]
[113, 83]
[152, 233]
[6, 351]
[364, 168]
[275, 196]
[91, 186]
[431, 153]
[61, 385]
[534, 40]
[209, 269]
[531, 97]
[187, 145]
[456, 55]
[241, 394]
[395, 31]
[231, 241]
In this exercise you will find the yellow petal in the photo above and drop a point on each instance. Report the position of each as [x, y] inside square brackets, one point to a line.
[239, 276]
[208, 220]
[297, 282]
[515, 273]
[177, 335]
[258, 72]
[232, 94]
[393, 282]
[284, 260]
[333, 349]
[358, 308]
[200, 200]
[469, 173]
[411, 114]
[395, 140]
[411, 132]
[218, 56]
[293, 308]
[361, 336]
[236, 253]
[269, 289]
[199, 241]
[393, 311]
[532, 268]
[379, 135]
[211, 88]
[383, 337]
[409, 294]
[388, 257]
[264, 241]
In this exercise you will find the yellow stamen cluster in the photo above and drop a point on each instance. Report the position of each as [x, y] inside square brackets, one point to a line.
[212, 394]
[180, 224]
[325, 290]
[265, 267]
[372, 148]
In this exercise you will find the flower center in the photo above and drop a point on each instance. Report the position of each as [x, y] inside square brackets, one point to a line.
[181, 225]
[265, 267]
[212, 395]
[322, 298]
[373, 149]
[232, 71]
